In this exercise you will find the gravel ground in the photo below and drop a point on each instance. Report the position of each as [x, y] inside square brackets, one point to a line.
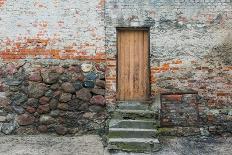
[91, 145]
[51, 145]
[192, 146]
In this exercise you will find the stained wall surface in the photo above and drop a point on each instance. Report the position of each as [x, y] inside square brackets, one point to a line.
[67, 50]
[52, 66]
[190, 53]
[52, 29]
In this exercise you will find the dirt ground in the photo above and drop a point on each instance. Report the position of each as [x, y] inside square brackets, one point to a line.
[92, 145]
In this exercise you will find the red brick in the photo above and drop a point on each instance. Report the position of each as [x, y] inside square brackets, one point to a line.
[172, 97]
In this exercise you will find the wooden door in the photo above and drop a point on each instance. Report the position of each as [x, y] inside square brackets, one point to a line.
[133, 73]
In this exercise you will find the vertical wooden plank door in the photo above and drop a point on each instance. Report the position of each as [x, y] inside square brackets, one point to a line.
[133, 73]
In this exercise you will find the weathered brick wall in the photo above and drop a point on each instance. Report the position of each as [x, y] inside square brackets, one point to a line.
[180, 110]
[190, 51]
[52, 29]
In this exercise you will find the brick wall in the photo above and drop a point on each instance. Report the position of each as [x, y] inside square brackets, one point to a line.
[52, 29]
[190, 51]
[179, 110]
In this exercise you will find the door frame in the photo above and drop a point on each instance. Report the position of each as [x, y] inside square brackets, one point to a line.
[148, 67]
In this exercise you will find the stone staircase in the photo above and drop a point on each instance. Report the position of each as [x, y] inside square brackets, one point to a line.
[132, 128]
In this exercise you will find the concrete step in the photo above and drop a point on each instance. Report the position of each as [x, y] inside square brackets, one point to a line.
[133, 114]
[140, 124]
[133, 127]
[134, 144]
[133, 105]
[131, 133]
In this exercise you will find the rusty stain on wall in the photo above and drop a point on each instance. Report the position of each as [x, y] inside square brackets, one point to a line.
[2, 2]
[221, 54]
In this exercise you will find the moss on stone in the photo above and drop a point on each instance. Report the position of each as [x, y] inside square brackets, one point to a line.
[135, 148]
[114, 134]
[165, 131]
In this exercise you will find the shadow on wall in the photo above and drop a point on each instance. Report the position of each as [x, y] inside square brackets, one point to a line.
[211, 78]
[221, 54]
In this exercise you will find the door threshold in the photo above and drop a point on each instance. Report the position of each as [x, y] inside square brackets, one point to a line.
[135, 101]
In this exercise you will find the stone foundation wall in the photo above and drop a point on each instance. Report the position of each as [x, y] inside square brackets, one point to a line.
[58, 96]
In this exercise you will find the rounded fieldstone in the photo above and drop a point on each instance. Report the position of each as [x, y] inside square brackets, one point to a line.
[61, 130]
[100, 83]
[3, 113]
[2, 118]
[65, 77]
[68, 87]
[50, 77]
[43, 109]
[43, 128]
[78, 85]
[5, 104]
[33, 102]
[91, 76]
[63, 106]
[88, 115]
[46, 119]
[36, 90]
[98, 100]
[18, 109]
[84, 107]
[66, 66]
[88, 84]
[31, 109]
[10, 68]
[73, 104]
[24, 88]
[57, 94]
[35, 76]
[53, 104]
[49, 93]
[13, 82]
[54, 86]
[36, 114]
[44, 100]
[10, 117]
[19, 98]
[8, 128]
[65, 97]
[75, 68]
[84, 94]
[86, 67]
[55, 113]
[58, 69]
[14, 88]
[25, 119]
[77, 77]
